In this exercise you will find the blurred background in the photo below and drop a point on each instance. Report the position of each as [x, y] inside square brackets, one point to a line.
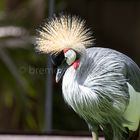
[30, 100]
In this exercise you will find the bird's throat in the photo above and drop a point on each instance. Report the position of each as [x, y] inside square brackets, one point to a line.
[76, 64]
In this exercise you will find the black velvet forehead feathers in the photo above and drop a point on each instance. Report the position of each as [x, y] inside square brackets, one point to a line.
[58, 58]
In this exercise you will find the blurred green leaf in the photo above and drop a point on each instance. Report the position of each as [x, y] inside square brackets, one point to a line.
[31, 121]
[8, 99]
[2, 5]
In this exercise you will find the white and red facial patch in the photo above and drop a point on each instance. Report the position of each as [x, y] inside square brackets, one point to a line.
[71, 58]
[65, 50]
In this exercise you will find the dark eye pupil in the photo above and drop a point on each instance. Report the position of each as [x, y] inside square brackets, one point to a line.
[57, 59]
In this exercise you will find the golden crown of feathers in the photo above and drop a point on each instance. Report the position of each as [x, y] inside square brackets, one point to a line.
[63, 32]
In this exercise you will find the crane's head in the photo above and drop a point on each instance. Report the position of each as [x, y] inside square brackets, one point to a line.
[66, 58]
[65, 38]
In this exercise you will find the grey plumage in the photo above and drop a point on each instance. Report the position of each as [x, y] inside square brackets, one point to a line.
[98, 90]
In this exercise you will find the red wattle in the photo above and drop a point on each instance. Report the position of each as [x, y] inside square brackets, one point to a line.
[76, 64]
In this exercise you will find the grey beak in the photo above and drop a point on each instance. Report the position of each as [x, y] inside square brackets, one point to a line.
[60, 71]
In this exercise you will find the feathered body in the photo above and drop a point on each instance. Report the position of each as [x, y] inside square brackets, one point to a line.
[100, 84]
[102, 94]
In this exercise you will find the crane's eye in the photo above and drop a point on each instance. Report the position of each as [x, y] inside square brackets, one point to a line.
[57, 59]
[70, 56]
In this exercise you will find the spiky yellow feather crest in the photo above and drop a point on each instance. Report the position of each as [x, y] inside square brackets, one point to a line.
[63, 32]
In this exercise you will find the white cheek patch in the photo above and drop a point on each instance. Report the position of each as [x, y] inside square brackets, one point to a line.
[70, 56]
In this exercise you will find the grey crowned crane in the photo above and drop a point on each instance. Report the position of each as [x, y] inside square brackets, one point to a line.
[101, 85]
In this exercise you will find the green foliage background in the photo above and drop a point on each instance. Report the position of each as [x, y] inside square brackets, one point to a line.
[22, 99]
